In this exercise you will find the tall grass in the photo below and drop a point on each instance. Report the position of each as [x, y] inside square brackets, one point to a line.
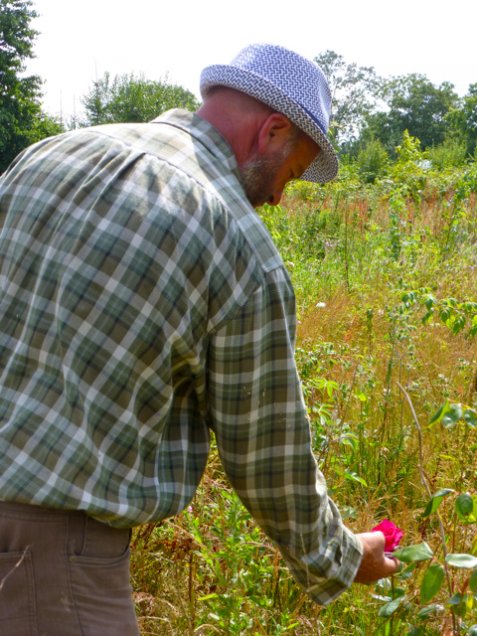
[385, 282]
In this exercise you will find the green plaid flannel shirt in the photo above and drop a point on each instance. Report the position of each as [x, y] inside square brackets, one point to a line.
[142, 305]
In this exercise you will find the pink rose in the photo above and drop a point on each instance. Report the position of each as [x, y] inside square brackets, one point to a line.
[392, 534]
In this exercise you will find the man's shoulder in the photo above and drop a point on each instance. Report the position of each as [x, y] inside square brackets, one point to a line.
[178, 162]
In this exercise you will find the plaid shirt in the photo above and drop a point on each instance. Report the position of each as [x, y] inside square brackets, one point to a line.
[143, 304]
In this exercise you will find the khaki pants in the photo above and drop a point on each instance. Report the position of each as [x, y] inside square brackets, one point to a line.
[63, 574]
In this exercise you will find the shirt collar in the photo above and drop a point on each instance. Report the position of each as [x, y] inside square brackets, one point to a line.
[203, 132]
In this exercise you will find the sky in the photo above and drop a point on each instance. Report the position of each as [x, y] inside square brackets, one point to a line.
[80, 40]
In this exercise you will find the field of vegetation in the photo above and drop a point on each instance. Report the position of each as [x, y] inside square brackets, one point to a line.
[384, 263]
[386, 290]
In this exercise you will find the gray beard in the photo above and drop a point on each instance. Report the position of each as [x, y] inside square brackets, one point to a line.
[257, 175]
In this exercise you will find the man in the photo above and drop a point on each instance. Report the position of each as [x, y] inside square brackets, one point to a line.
[143, 305]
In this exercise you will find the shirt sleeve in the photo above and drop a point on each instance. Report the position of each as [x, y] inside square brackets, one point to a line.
[263, 435]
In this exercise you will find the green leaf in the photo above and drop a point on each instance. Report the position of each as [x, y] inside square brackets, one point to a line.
[430, 610]
[473, 328]
[430, 301]
[409, 298]
[457, 604]
[437, 417]
[464, 504]
[442, 492]
[432, 582]
[427, 316]
[470, 417]
[462, 561]
[389, 608]
[417, 552]
[452, 416]
[436, 500]
[352, 476]
[459, 324]
[408, 572]
[466, 508]
[445, 315]
[456, 599]
[207, 597]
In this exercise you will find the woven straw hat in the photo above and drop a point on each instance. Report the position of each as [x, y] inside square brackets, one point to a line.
[291, 85]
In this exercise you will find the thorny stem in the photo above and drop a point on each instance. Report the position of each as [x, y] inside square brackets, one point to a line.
[425, 483]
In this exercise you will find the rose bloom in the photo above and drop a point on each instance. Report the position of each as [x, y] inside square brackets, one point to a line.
[392, 534]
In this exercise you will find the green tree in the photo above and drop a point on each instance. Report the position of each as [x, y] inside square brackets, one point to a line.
[354, 91]
[127, 98]
[462, 121]
[414, 104]
[22, 121]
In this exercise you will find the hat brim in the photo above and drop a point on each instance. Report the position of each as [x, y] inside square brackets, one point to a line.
[325, 166]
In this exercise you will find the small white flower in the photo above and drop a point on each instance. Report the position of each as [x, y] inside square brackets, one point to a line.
[319, 305]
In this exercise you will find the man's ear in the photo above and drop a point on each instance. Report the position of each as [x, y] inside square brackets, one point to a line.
[274, 133]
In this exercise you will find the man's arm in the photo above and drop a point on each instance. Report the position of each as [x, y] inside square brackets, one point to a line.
[264, 439]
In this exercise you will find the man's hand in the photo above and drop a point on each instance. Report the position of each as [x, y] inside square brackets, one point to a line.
[375, 564]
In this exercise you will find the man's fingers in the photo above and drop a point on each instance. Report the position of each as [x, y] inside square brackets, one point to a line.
[397, 564]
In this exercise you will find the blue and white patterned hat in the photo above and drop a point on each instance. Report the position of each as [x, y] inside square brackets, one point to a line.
[291, 85]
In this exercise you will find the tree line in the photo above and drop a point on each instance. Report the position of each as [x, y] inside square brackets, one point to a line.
[370, 113]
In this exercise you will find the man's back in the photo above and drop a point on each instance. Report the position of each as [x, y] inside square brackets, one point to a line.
[116, 267]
